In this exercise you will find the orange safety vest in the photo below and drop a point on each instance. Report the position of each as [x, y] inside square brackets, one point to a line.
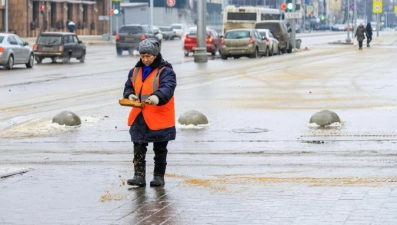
[156, 117]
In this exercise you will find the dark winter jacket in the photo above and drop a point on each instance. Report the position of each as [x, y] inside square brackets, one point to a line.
[369, 30]
[360, 33]
[139, 131]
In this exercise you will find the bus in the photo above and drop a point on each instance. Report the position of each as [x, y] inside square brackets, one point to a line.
[246, 16]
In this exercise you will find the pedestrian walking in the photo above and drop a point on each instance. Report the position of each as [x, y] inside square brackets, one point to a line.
[71, 26]
[360, 35]
[152, 82]
[369, 33]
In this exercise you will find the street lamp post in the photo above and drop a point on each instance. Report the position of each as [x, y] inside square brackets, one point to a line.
[348, 40]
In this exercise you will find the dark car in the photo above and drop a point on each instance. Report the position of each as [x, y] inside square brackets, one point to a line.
[131, 35]
[280, 31]
[167, 32]
[59, 45]
[213, 41]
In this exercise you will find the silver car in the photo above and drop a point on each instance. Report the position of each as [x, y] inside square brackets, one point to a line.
[15, 51]
[272, 42]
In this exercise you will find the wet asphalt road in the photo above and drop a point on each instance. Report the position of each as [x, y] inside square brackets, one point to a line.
[257, 162]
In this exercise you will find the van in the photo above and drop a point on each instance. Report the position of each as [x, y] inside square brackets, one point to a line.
[280, 32]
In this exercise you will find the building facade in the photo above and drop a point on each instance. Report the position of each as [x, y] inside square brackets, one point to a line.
[26, 18]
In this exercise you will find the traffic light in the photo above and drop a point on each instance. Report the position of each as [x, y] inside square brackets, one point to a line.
[290, 6]
[111, 11]
[42, 8]
[116, 9]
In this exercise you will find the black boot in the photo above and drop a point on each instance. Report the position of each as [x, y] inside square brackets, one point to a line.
[160, 164]
[139, 166]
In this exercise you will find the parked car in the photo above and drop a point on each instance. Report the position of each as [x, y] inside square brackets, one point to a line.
[322, 27]
[280, 31]
[213, 41]
[338, 27]
[272, 42]
[179, 29]
[167, 32]
[157, 32]
[297, 28]
[131, 35]
[59, 45]
[243, 42]
[15, 51]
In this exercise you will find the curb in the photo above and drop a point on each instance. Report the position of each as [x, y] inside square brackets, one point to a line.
[6, 172]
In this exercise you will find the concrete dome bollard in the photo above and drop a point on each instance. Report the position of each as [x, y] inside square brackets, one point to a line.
[324, 118]
[192, 117]
[67, 118]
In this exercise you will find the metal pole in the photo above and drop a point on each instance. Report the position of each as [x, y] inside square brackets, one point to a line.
[151, 12]
[348, 40]
[292, 26]
[377, 25]
[110, 21]
[6, 15]
[355, 17]
[200, 52]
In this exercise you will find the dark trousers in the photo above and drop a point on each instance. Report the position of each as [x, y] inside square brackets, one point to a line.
[140, 150]
[360, 44]
[369, 39]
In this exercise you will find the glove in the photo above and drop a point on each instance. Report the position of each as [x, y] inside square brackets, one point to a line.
[152, 100]
[132, 97]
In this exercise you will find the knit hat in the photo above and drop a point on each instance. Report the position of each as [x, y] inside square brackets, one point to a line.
[150, 46]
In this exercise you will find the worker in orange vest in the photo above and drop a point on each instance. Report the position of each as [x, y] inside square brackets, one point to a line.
[152, 81]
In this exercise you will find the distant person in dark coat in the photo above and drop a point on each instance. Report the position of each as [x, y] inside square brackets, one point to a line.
[360, 34]
[369, 33]
[71, 26]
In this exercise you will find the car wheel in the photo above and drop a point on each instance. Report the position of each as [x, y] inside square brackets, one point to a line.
[186, 53]
[39, 59]
[271, 53]
[66, 58]
[267, 54]
[289, 50]
[10, 63]
[255, 54]
[119, 51]
[53, 60]
[82, 58]
[30, 62]
[223, 57]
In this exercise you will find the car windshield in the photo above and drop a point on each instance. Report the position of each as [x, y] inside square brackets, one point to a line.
[263, 33]
[129, 29]
[237, 34]
[49, 40]
[271, 26]
[176, 27]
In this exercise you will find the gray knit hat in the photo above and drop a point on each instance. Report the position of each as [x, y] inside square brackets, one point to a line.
[150, 46]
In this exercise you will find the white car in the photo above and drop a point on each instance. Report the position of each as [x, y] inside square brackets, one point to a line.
[179, 29]
[272, 42]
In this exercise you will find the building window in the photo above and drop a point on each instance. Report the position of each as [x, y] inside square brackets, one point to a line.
[85, 13]
[53, 14]
[70, 11]
[36, 13]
